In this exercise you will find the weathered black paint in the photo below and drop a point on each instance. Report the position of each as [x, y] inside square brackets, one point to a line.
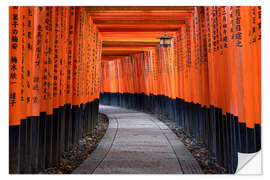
[14, 149]
[23, 143]
[40, 141]
[49, 133]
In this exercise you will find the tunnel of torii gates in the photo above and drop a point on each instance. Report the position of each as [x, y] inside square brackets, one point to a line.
[64, 61]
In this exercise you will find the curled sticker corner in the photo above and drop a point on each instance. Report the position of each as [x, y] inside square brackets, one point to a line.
[249, 163]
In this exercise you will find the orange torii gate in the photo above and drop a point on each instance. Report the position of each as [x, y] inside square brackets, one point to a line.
[201, 81]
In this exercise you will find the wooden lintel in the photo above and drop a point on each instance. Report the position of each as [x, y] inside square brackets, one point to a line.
[142, 22]
[139, 8]
[112, 43]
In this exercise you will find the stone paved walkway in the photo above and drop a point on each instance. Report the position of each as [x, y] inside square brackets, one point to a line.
[137, 143]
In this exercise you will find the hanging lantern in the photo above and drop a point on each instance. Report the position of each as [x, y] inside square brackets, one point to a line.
[165, 40]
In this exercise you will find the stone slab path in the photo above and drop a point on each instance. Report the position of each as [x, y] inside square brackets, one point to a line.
[137, 143]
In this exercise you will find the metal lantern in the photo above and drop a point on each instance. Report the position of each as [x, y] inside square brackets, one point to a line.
[165, 40]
